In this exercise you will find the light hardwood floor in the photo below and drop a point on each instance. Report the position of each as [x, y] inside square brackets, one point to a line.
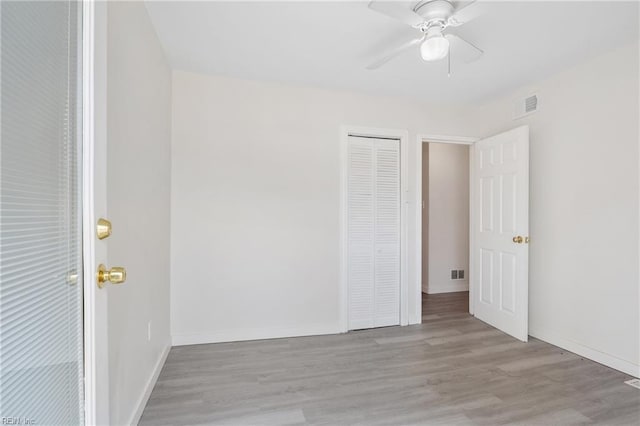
[444, 304]
[452, 369]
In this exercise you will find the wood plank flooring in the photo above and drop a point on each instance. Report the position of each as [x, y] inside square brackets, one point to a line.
[444, 303]
[452, 369]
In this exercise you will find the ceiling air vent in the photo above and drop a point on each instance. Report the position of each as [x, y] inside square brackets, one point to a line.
[531, 104]
[526, 106]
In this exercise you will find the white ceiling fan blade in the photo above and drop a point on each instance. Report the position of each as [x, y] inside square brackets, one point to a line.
[463, 49]
[397, 11]
[395, 52]
[467, 11]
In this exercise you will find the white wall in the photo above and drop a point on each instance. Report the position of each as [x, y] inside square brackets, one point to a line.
[584, 283]
[256, 203]
[448, 217]
[138, 179]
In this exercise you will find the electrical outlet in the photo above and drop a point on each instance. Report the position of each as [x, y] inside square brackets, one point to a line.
[149, 331]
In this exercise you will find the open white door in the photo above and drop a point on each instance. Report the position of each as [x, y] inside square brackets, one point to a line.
[500, 249]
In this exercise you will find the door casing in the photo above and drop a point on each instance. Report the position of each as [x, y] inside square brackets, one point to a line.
[457, 140]
[94, 199]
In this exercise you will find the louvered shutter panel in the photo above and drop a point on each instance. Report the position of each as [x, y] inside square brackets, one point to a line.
[360, 233]
[387, 233]
[373, 257]
[41, 337]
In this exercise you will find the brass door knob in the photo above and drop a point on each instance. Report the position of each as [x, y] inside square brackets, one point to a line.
[518, 239]
[115, 275]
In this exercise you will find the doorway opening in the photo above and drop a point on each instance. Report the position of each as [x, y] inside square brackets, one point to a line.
[498, 229]
[445, 229]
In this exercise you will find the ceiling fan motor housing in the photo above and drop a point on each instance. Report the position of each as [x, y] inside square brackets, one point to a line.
[434, 11]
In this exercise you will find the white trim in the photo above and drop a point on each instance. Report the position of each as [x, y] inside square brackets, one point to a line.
[88, 214]
[420, 140]
[450, 287]
[94, 39]
[587, 352]
[144, 398]
[459, 140]
[344, 308]
[403, 136]
[472, 228]
[224, 336]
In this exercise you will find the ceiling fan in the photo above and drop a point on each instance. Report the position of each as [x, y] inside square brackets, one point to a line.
[436, 20]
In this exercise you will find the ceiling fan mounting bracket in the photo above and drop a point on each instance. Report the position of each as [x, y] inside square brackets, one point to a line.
[435, 10]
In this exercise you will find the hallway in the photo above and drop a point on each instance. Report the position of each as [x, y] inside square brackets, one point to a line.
[437, 305]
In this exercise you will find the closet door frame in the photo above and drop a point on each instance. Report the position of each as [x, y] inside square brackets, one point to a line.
[403, 137]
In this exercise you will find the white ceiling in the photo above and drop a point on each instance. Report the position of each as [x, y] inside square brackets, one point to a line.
[329, 44]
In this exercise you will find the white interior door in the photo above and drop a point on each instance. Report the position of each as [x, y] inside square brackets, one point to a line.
[501, 231]
[373, 229]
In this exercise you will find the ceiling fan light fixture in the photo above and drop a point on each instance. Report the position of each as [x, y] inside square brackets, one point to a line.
[435, 47]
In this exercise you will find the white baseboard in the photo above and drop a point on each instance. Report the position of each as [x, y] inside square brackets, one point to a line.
[587, 352]
[142, 402]
[181, 339]
[448, 287]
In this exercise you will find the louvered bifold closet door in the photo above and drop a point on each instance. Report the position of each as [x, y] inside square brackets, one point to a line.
[387, 233]
[373, 228]
[41, 333]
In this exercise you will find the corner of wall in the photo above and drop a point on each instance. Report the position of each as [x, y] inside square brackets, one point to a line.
[144, 396]
[593, 354]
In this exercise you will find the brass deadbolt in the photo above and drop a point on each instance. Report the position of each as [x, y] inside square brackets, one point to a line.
[103, 228]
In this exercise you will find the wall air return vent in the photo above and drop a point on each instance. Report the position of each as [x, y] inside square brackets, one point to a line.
[525, 106]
